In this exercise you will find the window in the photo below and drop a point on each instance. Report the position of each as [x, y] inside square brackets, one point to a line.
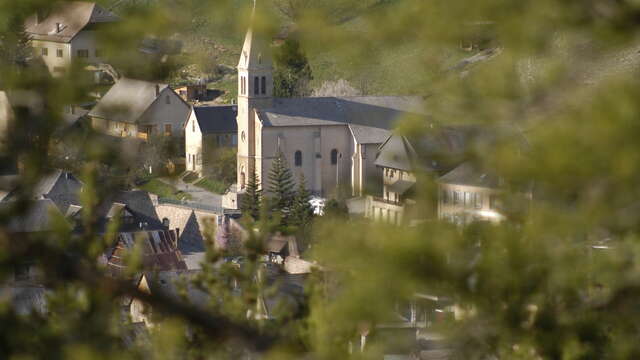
[243, 86]
[334, 157]
[445, 197]
[193, 126]
[256, 85]
[83, 53]
[59, 53]
[298, 158]
[263, 88]
[493, 201]
[456, 197]
[478, 201]
[467, 198]
[167, 100]
[45, 51]
[167, 130]
[243, 136]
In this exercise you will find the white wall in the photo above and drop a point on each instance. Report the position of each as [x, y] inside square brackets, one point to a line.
[53, 62]
[193, 144]
[160, 113]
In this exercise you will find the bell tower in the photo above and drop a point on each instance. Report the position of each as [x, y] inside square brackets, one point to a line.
[255, 91]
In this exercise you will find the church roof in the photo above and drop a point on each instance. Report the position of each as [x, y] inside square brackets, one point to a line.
[217, 119]
[73, 17]
[369, 117]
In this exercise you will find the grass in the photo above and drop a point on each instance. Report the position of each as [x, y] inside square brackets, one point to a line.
[164, 190]
[213, 185]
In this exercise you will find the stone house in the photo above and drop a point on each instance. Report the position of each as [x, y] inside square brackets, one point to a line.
[140, 109]
[207, 129]
[68, 33]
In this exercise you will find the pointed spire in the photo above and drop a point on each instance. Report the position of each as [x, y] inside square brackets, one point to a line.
[256, 52]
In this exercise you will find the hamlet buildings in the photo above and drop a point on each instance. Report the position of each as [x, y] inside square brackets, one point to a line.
[331, 140]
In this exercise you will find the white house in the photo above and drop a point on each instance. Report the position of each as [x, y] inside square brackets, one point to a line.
[209, 128]
[68, 32]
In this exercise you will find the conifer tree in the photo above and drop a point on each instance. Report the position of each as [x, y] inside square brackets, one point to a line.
[301, 211]
[252, 201]
[281, 186]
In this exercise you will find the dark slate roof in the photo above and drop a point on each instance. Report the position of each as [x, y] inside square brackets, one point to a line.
[468, 174]
[25, 298]
[217, 119]
[38, 217]
[396, 153]
[369, 117]
[171, 283]
[74, 16]
[127, 100]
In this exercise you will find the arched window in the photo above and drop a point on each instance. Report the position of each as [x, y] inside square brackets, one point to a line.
[263, 88]
[298, 158]
[334, 156]
[256, 85]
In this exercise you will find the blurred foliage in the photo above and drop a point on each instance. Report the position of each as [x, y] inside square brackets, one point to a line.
[531, 287]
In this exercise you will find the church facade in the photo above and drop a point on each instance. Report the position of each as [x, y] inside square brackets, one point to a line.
[332, 141]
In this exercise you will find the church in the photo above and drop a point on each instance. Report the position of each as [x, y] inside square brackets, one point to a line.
[333, 141]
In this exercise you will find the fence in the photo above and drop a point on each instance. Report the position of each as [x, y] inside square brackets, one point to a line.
[196, 205]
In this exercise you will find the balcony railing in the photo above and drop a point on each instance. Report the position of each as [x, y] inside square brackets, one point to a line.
[382, 200]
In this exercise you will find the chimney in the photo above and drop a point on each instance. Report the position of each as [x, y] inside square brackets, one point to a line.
[157, 89]
[58, 27]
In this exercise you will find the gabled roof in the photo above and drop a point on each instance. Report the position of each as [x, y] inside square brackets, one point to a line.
[73, 17]
[397, 153]
[38, 217]
[468, 174]
[217, 119]
[59, 186]
[369, 117]
[127, 100]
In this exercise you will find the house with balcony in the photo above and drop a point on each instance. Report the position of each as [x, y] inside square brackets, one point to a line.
[68, 32]
[140, 109]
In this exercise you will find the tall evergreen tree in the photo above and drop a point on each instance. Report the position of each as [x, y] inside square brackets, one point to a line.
[281, 186]
[301, 212]
[253, 197]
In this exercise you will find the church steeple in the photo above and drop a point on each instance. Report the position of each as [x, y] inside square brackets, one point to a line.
[255, 67]
[255, 92]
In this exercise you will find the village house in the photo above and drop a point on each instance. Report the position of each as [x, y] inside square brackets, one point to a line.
[209, 128]
[140, 109]
[468, 194]
[331, 140]
[68, 33]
